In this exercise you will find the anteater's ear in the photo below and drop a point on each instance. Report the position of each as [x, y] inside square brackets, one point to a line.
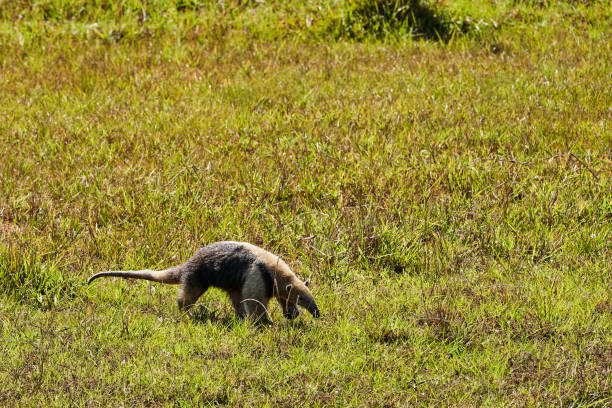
[289, 287]
[307, 282]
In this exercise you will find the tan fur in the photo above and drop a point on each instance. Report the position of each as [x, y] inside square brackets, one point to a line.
[287, 286]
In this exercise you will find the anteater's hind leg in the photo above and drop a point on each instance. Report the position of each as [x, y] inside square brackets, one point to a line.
[188, 295]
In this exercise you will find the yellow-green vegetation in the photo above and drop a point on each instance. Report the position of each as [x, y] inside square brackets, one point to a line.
[442, 170]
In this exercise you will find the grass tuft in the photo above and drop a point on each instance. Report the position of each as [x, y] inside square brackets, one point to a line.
[392, 18]
[26, 279]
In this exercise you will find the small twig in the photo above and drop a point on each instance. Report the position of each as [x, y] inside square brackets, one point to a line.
[585, 165]
[320, 252]
[288, 296]
[181, 171]
[344, 285]
[255, 300]
[374, 314]
[91, 233]
[514, 161]
[262, 305]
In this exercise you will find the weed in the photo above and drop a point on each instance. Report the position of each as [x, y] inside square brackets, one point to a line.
[384, 18]
[26, 279]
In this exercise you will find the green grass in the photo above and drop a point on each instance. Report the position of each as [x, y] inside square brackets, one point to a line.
[450, 196]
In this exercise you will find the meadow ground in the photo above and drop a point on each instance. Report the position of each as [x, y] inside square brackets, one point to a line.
[441, 170]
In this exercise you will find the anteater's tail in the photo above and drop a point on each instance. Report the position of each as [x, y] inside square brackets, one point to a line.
[171, 275]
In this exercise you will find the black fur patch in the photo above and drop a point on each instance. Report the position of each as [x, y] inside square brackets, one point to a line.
[223, 265]
[268, 278]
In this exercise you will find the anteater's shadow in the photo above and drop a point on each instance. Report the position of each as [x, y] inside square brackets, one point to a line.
[200, 314]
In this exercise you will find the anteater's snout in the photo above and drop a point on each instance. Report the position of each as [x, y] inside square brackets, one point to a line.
[314, 310]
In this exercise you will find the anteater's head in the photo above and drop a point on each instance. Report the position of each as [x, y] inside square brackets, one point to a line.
[296, 293]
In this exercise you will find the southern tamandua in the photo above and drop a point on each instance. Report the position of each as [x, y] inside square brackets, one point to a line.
[249, 274]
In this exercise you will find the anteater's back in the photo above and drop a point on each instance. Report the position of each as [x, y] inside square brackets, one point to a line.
[222, 264]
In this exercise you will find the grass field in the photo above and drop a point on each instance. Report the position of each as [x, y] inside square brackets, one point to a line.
[441, 170]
